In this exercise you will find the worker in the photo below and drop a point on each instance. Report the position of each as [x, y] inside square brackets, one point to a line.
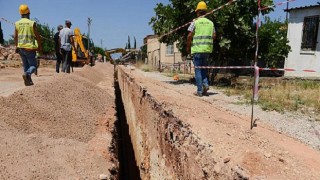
[200, 44]
[27, 41]
[57, 48]
[66, 45]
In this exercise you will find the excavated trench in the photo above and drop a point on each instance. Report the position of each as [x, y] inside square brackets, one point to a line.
[152, 142]
[128, 170]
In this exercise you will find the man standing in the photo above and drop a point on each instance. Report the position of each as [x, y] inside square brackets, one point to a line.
[200, 45]
[57, 48]
[66, 45]
[27, 41]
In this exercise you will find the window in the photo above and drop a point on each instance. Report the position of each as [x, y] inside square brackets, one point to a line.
[310, 33]
[169, 49]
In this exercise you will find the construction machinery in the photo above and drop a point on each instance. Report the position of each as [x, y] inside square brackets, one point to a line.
[80, 55]
[125, 55]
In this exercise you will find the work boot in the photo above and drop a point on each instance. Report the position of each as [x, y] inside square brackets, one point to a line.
[197, 94]
[205, 90]
[30, 80]
[25, 79]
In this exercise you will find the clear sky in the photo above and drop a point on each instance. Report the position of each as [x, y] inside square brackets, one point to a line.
[113, 21]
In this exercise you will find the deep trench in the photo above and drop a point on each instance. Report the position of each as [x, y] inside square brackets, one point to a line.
[128, 170]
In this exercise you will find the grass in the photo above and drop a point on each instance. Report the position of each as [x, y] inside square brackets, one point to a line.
[285, 95]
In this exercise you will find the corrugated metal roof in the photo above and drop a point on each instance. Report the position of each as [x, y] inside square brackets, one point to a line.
[303, 7]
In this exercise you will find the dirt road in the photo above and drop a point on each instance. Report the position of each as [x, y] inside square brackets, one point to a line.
[60, 128]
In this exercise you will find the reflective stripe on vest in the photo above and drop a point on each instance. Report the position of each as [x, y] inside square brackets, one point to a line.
[202, 39]
[26, 36]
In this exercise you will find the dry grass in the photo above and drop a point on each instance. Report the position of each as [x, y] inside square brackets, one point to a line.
[290, 95]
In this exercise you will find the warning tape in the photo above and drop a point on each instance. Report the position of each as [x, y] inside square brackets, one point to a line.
[210, 12]
[9, 22]
[278, 4]
[252, 67]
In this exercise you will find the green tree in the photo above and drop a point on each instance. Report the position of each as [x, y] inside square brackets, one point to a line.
[234, 25]
[98, 50]
[1, 35]
[46, 34]
[274, 46]
[129, 44]
[135, 43]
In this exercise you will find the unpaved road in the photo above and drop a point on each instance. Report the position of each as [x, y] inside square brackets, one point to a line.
[261, 153]
[60, 128]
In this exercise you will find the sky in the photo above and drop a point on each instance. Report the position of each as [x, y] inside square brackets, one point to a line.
[112, 21]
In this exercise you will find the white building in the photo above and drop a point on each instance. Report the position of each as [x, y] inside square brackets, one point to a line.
[304, 38]
[160, 53]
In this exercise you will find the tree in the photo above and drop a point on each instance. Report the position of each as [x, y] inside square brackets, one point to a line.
[1, 35]
[46, 37]
[135, 43]
[274, 46]
[129, 44]
[234, 25]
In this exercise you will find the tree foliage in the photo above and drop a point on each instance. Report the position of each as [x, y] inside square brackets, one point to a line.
[129, 44]
[274, 46]
[98, 50]
[46, 34]
[234, 25]
[1, 35]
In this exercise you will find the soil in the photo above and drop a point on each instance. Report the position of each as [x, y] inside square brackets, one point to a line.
[60, 128]
[261, 153]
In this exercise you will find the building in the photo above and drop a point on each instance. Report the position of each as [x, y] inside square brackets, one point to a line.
[160, 53]
[304, 38]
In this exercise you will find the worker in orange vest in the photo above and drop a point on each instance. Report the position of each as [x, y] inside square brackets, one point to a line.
[27, 41]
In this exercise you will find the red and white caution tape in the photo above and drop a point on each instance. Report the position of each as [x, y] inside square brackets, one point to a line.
[278, 4]
[252, 67]
[9, 22]
[210, 12]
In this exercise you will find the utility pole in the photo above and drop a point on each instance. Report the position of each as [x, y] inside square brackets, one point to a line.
[287, 13]
[101, 43]
[89, 24]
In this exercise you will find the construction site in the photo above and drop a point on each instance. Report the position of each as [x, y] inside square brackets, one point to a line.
[137, 116]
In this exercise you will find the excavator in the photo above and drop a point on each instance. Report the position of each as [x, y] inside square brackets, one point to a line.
[80, 55]
[124, 52]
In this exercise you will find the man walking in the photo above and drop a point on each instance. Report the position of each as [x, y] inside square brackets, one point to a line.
[27, 41]
[57, 48]
[200, 45]
[66, 45]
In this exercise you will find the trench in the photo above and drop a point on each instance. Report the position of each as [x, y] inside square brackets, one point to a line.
[128, 170]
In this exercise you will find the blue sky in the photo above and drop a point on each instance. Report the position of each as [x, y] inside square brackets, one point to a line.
[113, 21]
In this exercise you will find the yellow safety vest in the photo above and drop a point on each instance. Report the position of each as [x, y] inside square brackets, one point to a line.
[202, 39]
[26, 36]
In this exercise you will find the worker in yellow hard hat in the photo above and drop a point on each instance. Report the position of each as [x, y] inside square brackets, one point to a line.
[200, 45]
[27, 41]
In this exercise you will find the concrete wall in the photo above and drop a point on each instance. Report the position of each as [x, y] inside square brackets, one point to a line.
[164, 146]
[158, 51]
[298, 59]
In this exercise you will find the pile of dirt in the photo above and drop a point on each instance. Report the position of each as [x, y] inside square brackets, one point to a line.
[53, 129]
[8, 57]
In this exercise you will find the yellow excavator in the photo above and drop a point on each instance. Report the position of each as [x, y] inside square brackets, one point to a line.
[80, 55]
[124, 52]
[114, 51]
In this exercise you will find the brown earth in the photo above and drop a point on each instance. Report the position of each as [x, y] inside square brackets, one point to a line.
[60, 128]
[237, 151]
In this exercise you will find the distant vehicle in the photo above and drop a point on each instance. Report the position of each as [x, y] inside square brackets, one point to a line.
[126, 55]
[80, 55]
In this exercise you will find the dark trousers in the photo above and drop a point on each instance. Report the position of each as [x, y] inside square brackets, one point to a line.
[59, 60]
[67, 60]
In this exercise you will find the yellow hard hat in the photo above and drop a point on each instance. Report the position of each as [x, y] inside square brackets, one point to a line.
[201, 6]
[24, 9]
